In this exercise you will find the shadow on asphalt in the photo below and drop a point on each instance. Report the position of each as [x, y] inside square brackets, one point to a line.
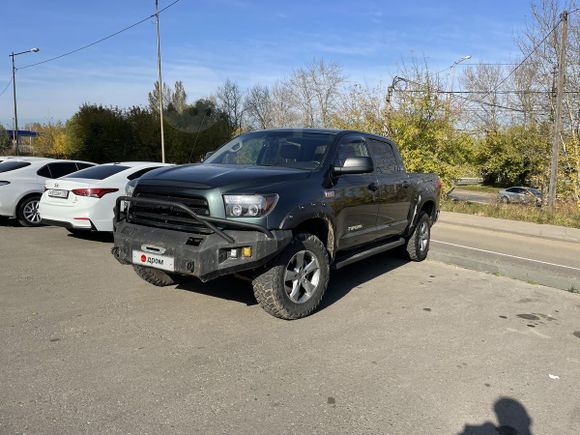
[228, 287]
[512, 418]
[8, 222]
[341, 283]
[92, 236]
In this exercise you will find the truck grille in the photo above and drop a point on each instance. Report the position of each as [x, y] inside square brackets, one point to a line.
[162, 216]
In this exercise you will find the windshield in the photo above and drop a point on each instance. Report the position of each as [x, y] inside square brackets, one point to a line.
[290, 149]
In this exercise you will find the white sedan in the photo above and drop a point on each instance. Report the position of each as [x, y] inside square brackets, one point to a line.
[86, 199]
[22, 183]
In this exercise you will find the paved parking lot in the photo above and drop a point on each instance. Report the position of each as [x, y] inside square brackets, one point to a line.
[87, 347]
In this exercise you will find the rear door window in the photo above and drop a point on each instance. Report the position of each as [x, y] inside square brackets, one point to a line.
[61, 169]
[12, 165]
[99, 172]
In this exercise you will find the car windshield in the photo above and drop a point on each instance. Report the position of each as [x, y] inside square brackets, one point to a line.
[290, 149]
[98, 172]
[9, 165]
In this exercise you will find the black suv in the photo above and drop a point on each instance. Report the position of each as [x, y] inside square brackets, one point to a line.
[280, 206]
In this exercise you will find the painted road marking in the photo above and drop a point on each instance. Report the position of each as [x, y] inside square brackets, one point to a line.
[506, 255]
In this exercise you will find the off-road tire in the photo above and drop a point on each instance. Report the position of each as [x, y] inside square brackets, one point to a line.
[22, 213]
[154, 276]
[269, 288]
[413, 249]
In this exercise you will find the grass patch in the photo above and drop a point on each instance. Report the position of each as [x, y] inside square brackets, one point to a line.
[565, 214]
[478, 188]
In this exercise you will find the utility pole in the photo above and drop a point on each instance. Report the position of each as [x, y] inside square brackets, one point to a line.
[388, 102]
[557, 130]
[390, 90]
[15, 138]
[160, 89]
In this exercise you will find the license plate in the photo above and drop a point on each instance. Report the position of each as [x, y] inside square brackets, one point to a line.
[58, 193]
[153, 260]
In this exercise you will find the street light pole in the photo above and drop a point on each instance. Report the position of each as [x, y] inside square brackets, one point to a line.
[15, 137]
[160, 88]
[450, 80]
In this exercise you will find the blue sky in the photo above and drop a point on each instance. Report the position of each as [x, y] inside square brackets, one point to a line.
[206, 41]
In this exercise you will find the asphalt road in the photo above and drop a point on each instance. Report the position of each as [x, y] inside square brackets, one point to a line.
[516, 251]
[399, 348]
[459, 194]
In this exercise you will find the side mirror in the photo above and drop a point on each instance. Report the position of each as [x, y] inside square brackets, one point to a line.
[207, 155]
[355, 165]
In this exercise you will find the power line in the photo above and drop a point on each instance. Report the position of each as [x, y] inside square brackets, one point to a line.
[416, 91]
[439, 91]
[487, 64]
[98, 41]
[6, 87]
[532, 51]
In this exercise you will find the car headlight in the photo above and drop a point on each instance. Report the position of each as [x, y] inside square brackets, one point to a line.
[249, 205]
[130, 187]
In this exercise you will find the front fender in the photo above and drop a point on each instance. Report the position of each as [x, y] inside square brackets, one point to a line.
[318, 211]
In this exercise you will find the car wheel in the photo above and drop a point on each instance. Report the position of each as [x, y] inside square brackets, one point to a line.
[504, 200]
[156, 277]
[294, 283]
[27, 212]
[417, 245]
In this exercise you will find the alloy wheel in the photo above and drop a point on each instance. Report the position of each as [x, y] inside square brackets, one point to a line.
[302, 276]
[30, 212]
[423, 234]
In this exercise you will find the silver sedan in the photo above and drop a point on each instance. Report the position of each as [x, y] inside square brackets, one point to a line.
[520, 195]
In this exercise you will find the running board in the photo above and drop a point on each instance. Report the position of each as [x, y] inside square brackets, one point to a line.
[361, 255]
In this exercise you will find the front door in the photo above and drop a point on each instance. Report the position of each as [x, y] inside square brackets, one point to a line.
[356, 198]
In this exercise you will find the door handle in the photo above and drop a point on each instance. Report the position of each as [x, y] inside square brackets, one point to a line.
[405, 184]
[373, 187]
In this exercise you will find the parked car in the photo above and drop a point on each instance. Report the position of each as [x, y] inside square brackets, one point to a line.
[85, 199]
[282, 206]
[22, 184]
[520, 195]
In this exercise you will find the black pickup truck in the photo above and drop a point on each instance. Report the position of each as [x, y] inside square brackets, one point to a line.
[282, 207]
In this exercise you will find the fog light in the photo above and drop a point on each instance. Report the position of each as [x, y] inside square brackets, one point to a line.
[247, 251]
[233, 253]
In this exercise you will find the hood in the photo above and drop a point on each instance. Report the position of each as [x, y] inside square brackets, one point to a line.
[208, 176]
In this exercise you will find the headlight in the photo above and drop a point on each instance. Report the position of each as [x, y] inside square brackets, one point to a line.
[249, 205]
[130, 187]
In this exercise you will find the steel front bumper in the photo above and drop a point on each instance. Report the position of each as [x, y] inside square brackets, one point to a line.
[203, 256]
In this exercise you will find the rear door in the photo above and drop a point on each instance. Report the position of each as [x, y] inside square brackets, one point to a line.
[394, 191]
[356, 204]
